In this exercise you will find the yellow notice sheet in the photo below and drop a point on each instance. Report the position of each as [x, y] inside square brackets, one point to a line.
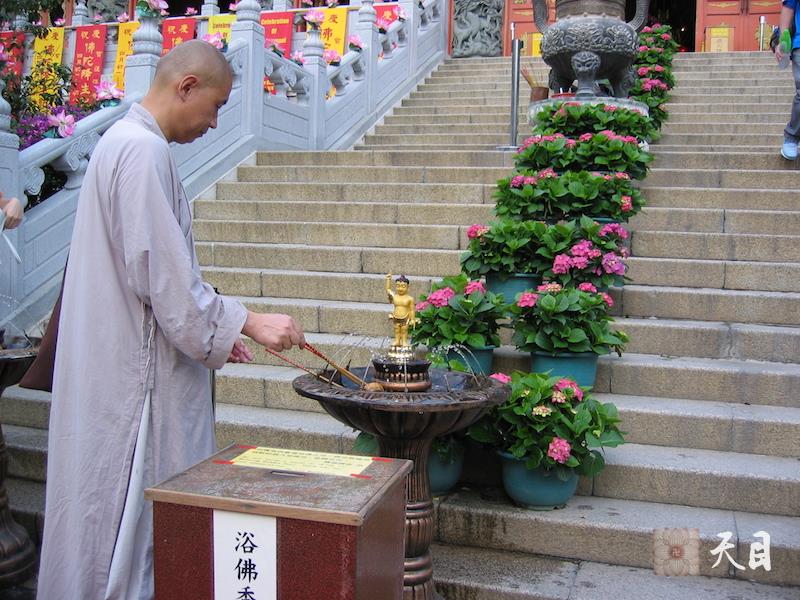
[302, 461]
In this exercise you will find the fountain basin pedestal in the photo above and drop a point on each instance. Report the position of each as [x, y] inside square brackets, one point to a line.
[405, 424]
[17, 552]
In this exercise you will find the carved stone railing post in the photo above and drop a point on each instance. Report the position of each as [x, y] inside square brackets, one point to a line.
[281, 5]
[81, 14]
[10, 185]
[140, 67]
[368, 32]
[209, 8]
[249, 30]
[409, 7]
[312, 51]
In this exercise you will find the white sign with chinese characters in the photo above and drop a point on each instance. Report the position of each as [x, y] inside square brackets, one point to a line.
[245, 556]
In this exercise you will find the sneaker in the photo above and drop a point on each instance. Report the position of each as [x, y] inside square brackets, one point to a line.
[789, 150]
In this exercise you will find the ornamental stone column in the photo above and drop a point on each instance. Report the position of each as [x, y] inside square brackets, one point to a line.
[250, 70]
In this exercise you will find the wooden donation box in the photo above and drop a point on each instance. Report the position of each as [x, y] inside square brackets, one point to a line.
[253, 523]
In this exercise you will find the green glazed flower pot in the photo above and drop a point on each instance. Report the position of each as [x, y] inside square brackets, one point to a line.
[513, 285]
[581, 367]
[444, 474]
[477, 360]
[536, 489]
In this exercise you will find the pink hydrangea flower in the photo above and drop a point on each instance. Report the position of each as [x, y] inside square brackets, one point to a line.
[570, 143]
[626, 204]
[474, 286]
[422, 305]
[587, 287]
[476, 231]
[609, 108]
[582, 248]
[579, 262]
[501, 377]
[643, 48]
[517, 182]
[646, 30]
[666, 36]
[547, 173]
[621, 175]
[643, 71]
[558, 397]
[568, 384]
[613, 264]
[562, 264]
[550, 288]
[527, 299]
[559, 450]
[585, 137]
[614, 229]
[607, 299]
[441, 297]
[659, 69]
[541, 411]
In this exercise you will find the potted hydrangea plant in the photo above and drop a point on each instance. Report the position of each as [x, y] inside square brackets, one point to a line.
[565, 330]
[459, 320]
[575, 118]
[547, 433]
[505, 253]
[550, 196]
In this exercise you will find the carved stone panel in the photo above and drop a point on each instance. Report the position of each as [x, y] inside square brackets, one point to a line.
[477, 28]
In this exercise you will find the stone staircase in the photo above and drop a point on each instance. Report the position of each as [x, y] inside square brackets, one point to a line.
[708, 389]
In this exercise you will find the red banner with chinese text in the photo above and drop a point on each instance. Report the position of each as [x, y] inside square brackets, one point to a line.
[387, 13]
[278, 29]
[14, 42]
[87, 67]
[177, 31]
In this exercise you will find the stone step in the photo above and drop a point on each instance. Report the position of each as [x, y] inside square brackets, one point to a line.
[469, 573]
[767, 198]
[675, 108]
[740, 129]
[715, 220]
[399, 158]
[737, 158]
[397, 118]
[762, 179]
[27, 451]
[722, 274]
[423, 193]
[731, 139]
[738, 97]
[502, 94]
[620, 532]
[717, 246]
[26, 500]
[414, 236]
[498, 138]
[455, 128]
[442, 147]
[367, 174]
[355, 212]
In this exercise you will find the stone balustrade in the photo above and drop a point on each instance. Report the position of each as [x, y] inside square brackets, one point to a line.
[315, 106]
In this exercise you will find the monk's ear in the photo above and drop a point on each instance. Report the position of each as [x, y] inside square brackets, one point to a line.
[186, 85]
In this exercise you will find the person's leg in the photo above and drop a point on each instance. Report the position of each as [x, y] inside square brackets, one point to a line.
[791, 134]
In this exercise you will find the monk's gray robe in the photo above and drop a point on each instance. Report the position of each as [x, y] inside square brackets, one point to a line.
[136, 317]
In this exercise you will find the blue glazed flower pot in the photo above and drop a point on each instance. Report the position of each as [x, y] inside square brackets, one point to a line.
[536, 489]
[513, 285]
[581, 367]
[443, 474]
[478, 360]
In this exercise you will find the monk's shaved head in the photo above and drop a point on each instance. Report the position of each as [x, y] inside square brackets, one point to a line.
[194, 57]
[191, 84]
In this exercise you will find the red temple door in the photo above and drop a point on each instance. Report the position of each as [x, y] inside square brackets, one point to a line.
[729, 25]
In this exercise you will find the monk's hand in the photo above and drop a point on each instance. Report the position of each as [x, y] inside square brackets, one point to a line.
[13, 212]
[273, 330]
[240, 353]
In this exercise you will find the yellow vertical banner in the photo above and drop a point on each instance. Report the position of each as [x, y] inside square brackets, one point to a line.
[221, 24]
[334, 29]
[50, 47]
[124, 49]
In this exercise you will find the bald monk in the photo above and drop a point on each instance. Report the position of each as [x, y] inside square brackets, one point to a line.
[139, 329]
